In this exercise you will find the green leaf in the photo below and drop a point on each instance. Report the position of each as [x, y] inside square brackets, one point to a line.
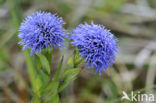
[44, 77]
[45, 63]
[70, 61]
[50, 90]
[77, 59]
[68, 76]
[38, 83]
[48, 53]
[35, 99]
[37, 63]
[54, 99]
[58, 72]
[31, 69]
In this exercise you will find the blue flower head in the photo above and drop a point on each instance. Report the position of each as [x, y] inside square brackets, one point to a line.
[41, 30]
[96, 44]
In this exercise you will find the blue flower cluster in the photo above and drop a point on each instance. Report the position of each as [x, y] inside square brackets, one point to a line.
[96, 44]
[42, 30]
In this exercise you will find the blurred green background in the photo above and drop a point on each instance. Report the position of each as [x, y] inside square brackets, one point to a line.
[133, 22]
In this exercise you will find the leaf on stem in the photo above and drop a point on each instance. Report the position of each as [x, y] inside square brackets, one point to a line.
[50, 90]
[58, 72]
[68, 76]
[45, 63]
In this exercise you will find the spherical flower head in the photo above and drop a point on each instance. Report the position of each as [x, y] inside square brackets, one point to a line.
[96, 44]
[41, 30]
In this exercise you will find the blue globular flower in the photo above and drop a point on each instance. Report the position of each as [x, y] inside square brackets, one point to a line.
[41, 30]
[96, 45]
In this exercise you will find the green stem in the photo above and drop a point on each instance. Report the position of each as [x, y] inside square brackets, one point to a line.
[17, 18]
[30, 68]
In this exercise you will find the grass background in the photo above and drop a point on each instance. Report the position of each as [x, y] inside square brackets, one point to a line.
[133, 22]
